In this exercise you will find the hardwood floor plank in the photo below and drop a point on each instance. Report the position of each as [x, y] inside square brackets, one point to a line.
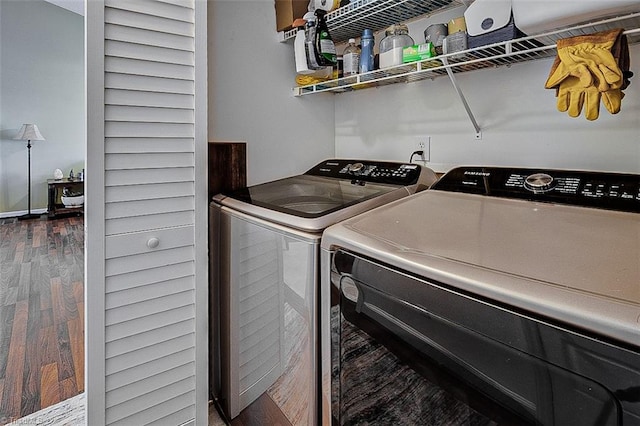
[32, 363]
[46, 318]
[78, 291]
[10, 296]
[3, 415]
[24, 283]
[76, 339]
[65, 359]
[70, 304]
[9, 277]
[68, 388]
[4, 356]
[12, 395]
[57, 301]
[6, 326]
[50, 387]
[262, 411]
[48, 346]
[45, 293]
[18, 257]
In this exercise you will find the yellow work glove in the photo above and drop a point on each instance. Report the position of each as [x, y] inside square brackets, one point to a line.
[573, 96]
[589, 59]
[612, 100]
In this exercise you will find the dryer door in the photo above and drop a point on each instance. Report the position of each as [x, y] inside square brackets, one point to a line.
[407, 351]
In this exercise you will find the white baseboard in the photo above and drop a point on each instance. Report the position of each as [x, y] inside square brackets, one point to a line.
[21, 212]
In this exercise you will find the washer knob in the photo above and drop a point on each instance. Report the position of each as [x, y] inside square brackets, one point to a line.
[539, 182]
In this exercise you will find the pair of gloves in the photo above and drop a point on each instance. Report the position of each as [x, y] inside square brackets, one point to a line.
[589, 69]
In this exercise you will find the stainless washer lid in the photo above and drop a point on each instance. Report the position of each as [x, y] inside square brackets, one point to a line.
[576, 265]
[331, 191]
[324, 210]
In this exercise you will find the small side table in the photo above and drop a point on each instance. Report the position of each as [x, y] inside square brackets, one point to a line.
[56, 186]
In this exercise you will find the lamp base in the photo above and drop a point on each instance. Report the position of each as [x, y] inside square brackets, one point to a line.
[29, 216]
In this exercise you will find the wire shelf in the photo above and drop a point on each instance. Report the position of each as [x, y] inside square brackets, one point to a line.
[494, 55]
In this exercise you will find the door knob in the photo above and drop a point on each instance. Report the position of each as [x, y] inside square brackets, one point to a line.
[153, 242]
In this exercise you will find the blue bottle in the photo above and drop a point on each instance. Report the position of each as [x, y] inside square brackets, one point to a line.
[366, 52]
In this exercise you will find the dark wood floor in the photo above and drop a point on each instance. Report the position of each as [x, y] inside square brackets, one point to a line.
[41, 314]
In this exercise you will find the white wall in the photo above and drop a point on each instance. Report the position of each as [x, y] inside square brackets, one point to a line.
[251, 75]
[41, 82]
[518, 116]
[250, 79]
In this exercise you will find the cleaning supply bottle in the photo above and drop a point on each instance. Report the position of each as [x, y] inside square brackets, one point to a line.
[307, 73]
[325, 48]
[309, 42]
[299, 48]
[366, 54]
[351, 58]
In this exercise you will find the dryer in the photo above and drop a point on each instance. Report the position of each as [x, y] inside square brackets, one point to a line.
[499, 296]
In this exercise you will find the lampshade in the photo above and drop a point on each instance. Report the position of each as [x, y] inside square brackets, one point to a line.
[29, 132]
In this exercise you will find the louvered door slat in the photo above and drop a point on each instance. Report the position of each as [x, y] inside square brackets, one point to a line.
[147, 83]
[132, 244]
[119, 65]
[155, 221]
[148, 22]
[170, 271]
[150, 176]
[147, 37]
[142, 262]
[130, 353]
[154, 321]
[145, 207]
[126, 377]
[125, 161]
[168, 413]
[146, 130]
[129, 413]
[133, 295]
[143, 52]
[154, 8]
[148, 114]
[151, 191]
[148, 99]
[147, 145]
[176, 418]
[150, 383]
[151, 306]
[183, 3]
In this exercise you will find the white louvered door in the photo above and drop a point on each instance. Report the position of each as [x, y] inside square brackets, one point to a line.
[146, 212]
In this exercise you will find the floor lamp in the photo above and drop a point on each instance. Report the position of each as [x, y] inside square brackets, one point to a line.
[29, 132]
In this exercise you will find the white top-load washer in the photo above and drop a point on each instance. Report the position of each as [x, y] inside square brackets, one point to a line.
[265, 245]
[489, 266]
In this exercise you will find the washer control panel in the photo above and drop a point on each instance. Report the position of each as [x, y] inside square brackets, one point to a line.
[613, 191]
[359, 171]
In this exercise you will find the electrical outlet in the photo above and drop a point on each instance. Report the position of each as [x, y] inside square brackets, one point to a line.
[423, 143]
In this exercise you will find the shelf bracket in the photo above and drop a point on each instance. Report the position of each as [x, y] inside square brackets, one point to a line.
[462, 98]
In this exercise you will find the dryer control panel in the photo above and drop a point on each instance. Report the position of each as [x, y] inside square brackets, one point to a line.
[612, 191]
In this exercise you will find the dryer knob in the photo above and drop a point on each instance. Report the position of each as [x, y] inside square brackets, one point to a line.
[356, 167]
[539, 182]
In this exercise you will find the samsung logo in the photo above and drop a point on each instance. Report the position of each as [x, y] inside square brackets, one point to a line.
[472, 173]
